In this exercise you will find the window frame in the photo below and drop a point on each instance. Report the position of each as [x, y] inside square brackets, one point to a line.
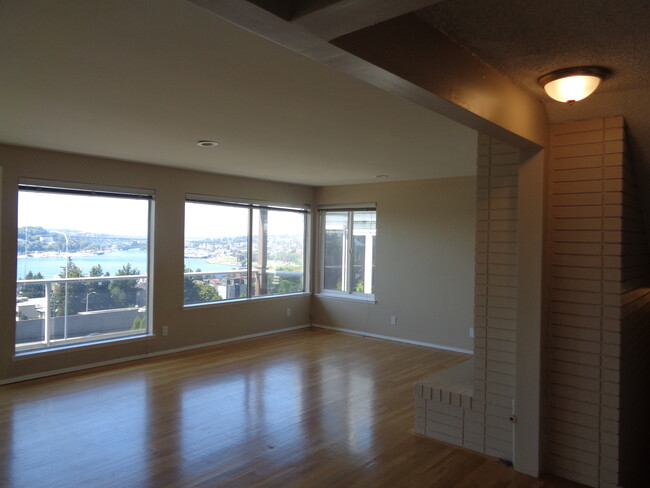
[251, 205]
[347, 294]
[90, 189]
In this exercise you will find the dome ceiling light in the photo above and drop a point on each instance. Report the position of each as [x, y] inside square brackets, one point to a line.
[570, 85]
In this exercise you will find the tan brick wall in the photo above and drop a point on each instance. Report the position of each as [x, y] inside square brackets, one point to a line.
[495, 302]
[585, 273]
[442, 403]
[597, 336]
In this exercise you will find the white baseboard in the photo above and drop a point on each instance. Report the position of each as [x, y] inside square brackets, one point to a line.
[222, 341]
[147, 355]
[396, 339]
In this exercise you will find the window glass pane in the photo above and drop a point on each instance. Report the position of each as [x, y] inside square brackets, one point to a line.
[358, 262]
[216, 253]
[64, 238]
[363, 233]
[278, 252]
[335, 250]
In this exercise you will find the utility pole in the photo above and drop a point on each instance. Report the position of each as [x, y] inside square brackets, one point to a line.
[87, 296]
[67, 267]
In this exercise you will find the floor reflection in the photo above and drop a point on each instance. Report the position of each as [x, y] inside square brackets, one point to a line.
[101, 428]
[313, 409]
[352, 417]
[241, 415]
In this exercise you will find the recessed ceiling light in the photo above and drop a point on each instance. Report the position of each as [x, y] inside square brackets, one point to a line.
[569, 85]
[381, 176]
[207, 143]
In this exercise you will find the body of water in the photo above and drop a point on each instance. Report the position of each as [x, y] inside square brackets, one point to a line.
[50, 267]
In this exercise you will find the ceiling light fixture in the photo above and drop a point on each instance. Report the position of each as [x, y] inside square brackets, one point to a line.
[569, 85]
[381, 176]
[207, 143]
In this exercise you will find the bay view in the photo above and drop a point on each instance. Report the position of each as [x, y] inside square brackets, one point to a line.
[83, 262]
[51, 265]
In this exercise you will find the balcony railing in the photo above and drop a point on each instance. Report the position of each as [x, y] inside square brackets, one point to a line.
[233, 284]
[66, 311]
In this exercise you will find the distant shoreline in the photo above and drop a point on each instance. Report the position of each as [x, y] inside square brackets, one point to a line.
[59, 254]
[51, 264]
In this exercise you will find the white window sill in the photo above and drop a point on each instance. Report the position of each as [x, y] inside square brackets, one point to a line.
[355, 297]
[76, 346]
[240, 301]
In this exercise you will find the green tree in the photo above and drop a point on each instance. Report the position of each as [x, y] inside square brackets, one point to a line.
[197, 291]
[206, 292]
[124, 292]
[139, 323]
[285, 283]
[101, 294]
[97, 271]
[76, 291]
[33, 291]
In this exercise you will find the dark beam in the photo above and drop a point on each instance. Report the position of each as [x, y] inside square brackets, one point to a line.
[282, 8]
[415, 51]
[335, 19]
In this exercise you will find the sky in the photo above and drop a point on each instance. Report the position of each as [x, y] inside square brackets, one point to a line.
[212, 221]
[205, 220]
[129, 217]
[80, 213]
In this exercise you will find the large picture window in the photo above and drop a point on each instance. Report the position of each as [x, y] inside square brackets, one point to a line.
[239, 250]
[348, 250]
[82, 266]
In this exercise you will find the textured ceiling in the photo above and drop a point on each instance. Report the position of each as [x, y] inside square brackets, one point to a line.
[144, 80]
[524, 40]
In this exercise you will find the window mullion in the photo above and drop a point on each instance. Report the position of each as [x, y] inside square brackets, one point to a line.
[322, 220]
[306, 252]
[151, 228]
[249, 260]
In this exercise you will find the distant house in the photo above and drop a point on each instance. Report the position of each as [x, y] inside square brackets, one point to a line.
[30, 308]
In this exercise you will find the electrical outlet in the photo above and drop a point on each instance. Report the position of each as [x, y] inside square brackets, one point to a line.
[393, 320]
[288, 311]
[165, 330]
[471, 331]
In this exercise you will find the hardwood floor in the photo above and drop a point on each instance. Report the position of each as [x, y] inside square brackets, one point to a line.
[311, 408]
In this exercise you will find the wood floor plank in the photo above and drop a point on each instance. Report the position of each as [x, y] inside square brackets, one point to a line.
[310, 408]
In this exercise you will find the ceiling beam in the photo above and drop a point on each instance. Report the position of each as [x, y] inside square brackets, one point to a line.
[336, 19]
[413, 50]
[282, 8]
[409, 58]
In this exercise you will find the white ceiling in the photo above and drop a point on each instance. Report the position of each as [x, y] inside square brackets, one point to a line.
[144, 80]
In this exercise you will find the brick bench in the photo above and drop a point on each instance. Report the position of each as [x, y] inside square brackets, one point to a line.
[442, 403]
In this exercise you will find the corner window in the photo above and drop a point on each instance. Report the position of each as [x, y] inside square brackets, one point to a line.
[348, 250]
[242, 250]
[82, 266]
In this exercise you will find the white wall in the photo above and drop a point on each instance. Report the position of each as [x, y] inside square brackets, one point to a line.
[424, 262]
